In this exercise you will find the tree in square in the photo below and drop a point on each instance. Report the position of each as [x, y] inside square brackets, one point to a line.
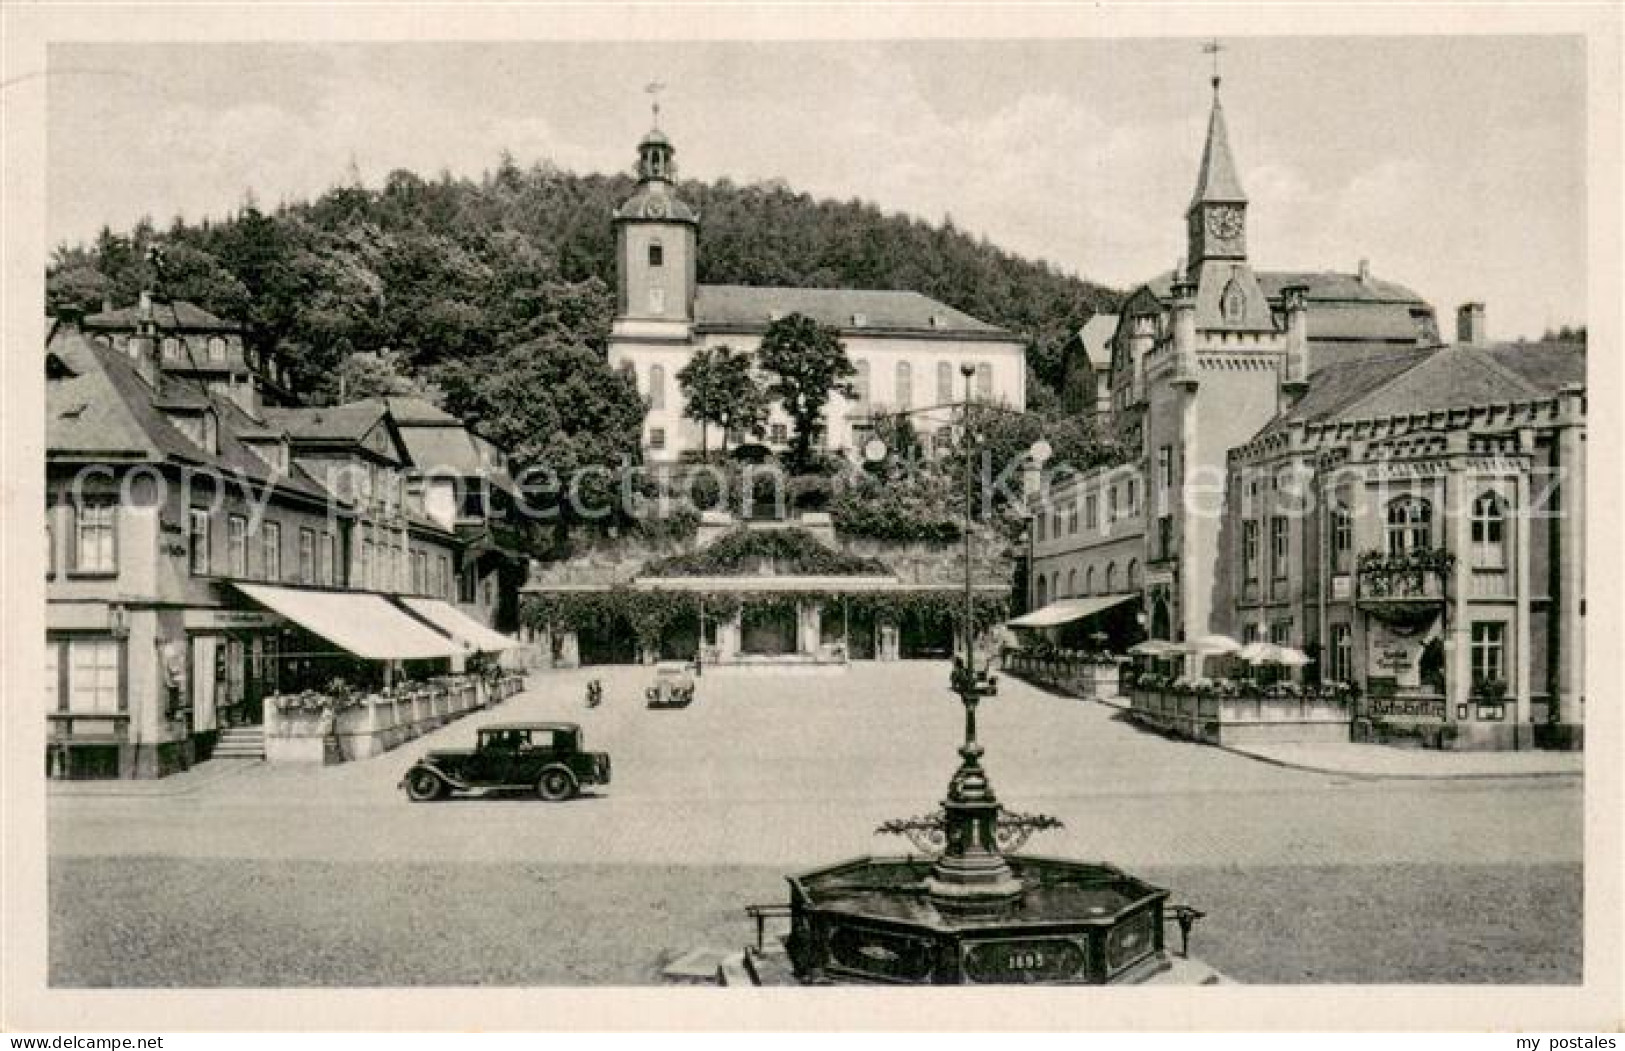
[806, 363]
[720, 389]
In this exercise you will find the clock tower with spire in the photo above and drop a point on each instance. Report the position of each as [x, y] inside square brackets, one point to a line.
[655, 235]
[1217, 218]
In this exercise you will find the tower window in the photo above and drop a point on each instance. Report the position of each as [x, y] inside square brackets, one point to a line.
[657, 254]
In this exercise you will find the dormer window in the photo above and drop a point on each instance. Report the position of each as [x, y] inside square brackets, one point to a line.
[171, 348]
[217, 348]
[657, 254]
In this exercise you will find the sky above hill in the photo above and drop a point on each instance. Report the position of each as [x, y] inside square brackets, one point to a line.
[1455, 165]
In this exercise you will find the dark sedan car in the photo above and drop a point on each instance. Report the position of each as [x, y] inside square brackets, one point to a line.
[543, 757]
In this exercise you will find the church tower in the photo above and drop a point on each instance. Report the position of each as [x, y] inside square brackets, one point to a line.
[655, 234]
[1217, 217]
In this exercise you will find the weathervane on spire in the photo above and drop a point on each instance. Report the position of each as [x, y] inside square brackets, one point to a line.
[654, 88]
[1213, 47]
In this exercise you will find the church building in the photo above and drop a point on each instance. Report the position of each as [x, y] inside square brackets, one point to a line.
[907, 348]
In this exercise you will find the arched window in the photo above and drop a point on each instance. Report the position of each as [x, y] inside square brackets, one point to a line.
[1111, 578]
[1134, 574]
[905, 385]
[1410, 525]
[657, 386]
[1089, 581]
[1071, 583]
[860, 383]
[945, 382]
[657, 254]
[1489, 531]
[1043, 591]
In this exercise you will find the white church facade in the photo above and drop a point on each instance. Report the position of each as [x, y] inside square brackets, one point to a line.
[907, 348]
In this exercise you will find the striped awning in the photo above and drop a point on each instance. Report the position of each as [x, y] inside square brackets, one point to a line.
[1067, 610]
[364, 624]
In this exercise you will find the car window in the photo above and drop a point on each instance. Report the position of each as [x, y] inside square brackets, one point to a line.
[541, 739]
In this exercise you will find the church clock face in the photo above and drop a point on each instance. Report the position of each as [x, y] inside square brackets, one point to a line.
[655, 208]
[1224, 223]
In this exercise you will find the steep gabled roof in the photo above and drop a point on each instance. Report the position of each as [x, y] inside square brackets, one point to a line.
[750, 307]
[176, 314]
[349, 422]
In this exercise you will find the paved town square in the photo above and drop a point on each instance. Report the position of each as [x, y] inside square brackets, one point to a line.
[240, 873]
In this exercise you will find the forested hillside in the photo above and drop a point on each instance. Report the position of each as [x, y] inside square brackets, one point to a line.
[456, 275]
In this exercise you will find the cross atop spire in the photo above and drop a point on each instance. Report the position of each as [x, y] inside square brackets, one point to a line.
[654, 88]
[1213, 47]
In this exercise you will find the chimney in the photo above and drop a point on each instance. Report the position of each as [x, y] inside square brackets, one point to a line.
[1295, 378]
[143, 351]
[1365, 271]
[1470, 323]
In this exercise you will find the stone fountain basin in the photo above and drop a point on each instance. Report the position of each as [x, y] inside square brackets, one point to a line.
[871, 920]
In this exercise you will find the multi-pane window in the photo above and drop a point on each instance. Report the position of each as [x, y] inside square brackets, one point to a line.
[271, 551]
[93, 676]
[905, 385]
[95, 541]
[1278, 547]
[1091, 511]
[1489, 651]
[1489, 532]
[657, 387]
[1410, 525]
[945, 382]
[237, 546]
[1342, 655]
[1072, 518]
[1249, 550]
[1342, 539]
[197, 540]
[307, 556]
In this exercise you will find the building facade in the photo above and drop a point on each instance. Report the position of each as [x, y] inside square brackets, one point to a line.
[191, 515]
[906, 347]
[1231, 386]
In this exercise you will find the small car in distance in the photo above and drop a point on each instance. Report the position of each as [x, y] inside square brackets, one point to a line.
[545, 758]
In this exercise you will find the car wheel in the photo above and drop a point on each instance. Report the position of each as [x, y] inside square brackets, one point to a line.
[424, 786]
[555, 784]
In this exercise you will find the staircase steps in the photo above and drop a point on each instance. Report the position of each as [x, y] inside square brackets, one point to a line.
[241, 742]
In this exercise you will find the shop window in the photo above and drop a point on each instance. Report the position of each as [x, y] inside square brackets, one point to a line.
[1489, 532]
[1410, 525]
[93, 676]
[197, 541]
[95, 544]
[1342, 669]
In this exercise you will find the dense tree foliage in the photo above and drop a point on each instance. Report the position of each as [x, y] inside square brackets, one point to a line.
[720, 390]
[805, 363]
[455, 270]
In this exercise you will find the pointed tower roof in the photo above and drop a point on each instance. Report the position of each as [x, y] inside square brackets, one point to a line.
[1217, 179]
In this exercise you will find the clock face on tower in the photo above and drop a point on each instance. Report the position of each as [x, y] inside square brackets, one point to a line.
[1224, 222]
[655, 208]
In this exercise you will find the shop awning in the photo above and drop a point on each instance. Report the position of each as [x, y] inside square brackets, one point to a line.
[365, 625]
[459, 625]
[1067, 610]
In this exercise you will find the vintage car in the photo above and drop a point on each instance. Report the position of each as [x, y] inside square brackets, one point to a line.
[673, 686]
[545, 758]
